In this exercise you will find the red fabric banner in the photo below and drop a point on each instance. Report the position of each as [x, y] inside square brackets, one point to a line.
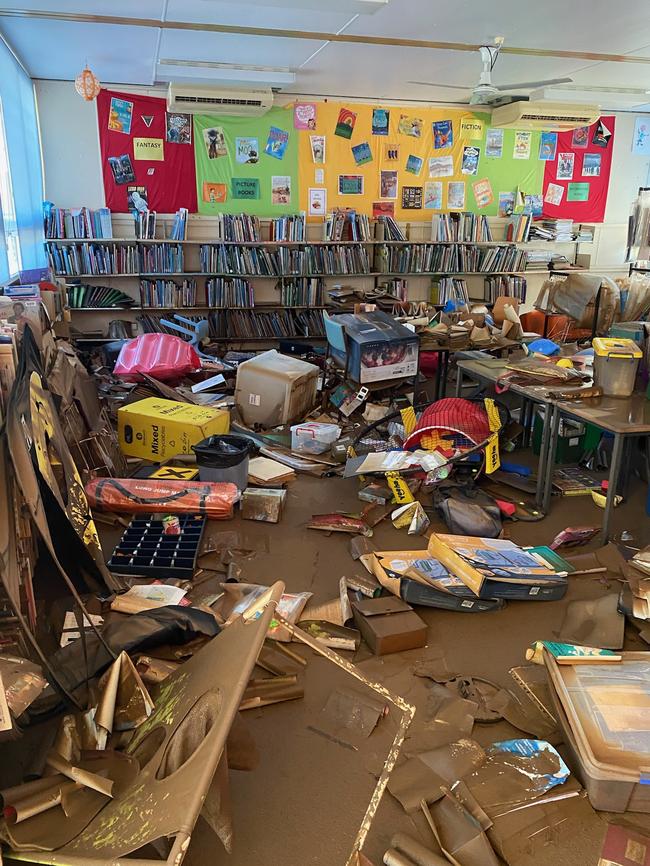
[164, 168]
[590, 166]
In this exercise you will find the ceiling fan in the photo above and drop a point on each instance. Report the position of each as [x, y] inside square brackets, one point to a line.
[486, 93]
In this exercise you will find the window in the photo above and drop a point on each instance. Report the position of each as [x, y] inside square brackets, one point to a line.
[9, 227]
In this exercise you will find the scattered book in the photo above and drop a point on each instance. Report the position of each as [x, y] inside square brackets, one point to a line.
[265, 472]
[570, 654]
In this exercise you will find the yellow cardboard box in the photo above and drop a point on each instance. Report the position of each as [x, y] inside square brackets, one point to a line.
[157, 429]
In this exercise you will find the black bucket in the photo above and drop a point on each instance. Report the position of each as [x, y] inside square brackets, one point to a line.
[224, 458]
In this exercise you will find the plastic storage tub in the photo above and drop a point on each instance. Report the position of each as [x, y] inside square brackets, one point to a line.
[313, 437]
[616, 360]
[274, 389]
[604, 713]
[224, 458]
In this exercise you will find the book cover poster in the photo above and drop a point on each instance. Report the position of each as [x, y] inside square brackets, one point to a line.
[580, 137]
[345, 123]
[350, 184]
[304, 115]
[441, 166]
[247, 150]
[565, 163]
[137, 198]
[409, 125]
[443, 134]
[471, 156]
[577, 192]
[215, 142]
[547, 146]
[388, 184]
[471, 127]
[281, 189]
[319, 175]
[494, 143]
[521, 149]
[483, 192]
[120, 115]
[433, 195]
[383, 208]
[317, 202]
[602, 134]
[391, 152]
[276, 143]
[380, 121]
[122, 169]
[506, 206]
[362, 153]
[456, 195]
[214, 193]
[533, 204]
[245, 187]
[591, 164]
[149, 149]
[412, 197]
[641, 138]
[413, 164]
[554, 194]
[317, 143]
[178, 128]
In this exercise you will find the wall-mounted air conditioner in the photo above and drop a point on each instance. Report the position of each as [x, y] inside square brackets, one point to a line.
[208, 99]
[544, 115]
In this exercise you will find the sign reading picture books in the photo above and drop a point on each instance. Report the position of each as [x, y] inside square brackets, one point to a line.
[245, 188]
[148, 148]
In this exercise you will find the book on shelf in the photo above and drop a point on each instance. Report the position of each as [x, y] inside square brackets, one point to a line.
[427, 258]
[288, 228]
[390, 229]
[92, 258]
[249, 324]
[243, 228]
[317, 260]
[450, 289]
[168, 293]
[346, 224]
[504, 285]
[305, 292]
[556, 230]
[178, 230]
[145, 224]
[165, 258]
[460, 226]
[396, 287]
[76, 223]
[519, 227]
[225, 292]
[231, 259]
[80, 295]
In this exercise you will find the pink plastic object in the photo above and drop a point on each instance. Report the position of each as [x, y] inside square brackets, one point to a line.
[159, 355]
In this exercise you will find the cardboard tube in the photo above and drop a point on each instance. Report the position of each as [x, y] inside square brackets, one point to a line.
[77, 774]
[420, 855]
[20, 792]
[394, 858]
[35, 804]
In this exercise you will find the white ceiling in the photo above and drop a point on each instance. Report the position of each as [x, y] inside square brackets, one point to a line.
[121, 53]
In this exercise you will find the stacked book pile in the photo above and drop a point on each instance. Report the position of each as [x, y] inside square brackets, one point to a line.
[97, 296]
[167, 293]
[95, 259]
[232, 259]
[161, 259]
[288, 228]
[77, 222]
[556, 230]
[460, 226]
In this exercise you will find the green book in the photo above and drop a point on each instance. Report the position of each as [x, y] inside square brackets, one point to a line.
[570, 654]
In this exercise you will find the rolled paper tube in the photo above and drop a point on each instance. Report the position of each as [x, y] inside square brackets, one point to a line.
[19, 792]
[35, 804]
[394, 858]
[419, 854]
[77, 774]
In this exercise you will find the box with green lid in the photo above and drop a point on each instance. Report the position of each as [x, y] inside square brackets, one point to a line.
[616, 360]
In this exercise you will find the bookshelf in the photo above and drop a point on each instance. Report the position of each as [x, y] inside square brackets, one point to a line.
[282, 268]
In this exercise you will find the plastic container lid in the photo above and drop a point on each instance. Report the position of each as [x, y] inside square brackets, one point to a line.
[217, 452]
[616, 347]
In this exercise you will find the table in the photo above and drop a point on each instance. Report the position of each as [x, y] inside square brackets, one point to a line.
[623, 417]
[444, 353]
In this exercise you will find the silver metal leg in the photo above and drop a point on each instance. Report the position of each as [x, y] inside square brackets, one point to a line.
[551, 445]
[614, 472]
[459, 382]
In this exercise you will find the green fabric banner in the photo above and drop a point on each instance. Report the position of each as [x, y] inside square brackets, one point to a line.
[247, 165]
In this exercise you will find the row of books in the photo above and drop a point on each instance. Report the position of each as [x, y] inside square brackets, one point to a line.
[397, 288]
[80, 295]
[161, 259]
[79, 222]
[307, 292]
[238, 324]
[460, 226]
[288, 228]
[145, 224]
[96, 259]
[508, 285]
[222, 292]
[178, 230]
[390, 229]
[237, 227]
[351, 259]
[452, 289]
[346, 225]
[224, 259]
[518, 228]
[448, 258]
[167, 293]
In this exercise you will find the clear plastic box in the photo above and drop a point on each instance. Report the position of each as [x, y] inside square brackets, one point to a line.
[313, 437]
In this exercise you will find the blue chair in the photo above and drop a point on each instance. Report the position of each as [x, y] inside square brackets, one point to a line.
[337, 347]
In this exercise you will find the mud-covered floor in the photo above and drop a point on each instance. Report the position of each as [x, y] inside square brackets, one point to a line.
[304, 803]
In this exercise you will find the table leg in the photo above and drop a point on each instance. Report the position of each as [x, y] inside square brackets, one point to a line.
[614, 472]
[438, 385]
[525, 422]
[459, 382]
[551, 444]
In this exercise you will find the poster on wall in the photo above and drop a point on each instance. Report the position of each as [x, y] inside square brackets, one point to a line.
[494, 143]
[443, 134]
[245, 188]
[483, 192]
[380, 121]
[317, 202]
[388, 184]
[577, 192]
[317, 144]
[412, 197]
[122, 169]
[565, 162]
[591, 163]
[521, 149]
[350, 184]
[362, 153]
[456, 195]
[441, 166]
[433, 195]
[580, 137]
[276, 143]
[554, 194]
[214, 193]
[391, 152]
[471, 156]
[304, 115]
[214, 141]
[413, 164]
[409, 125]
[641, 137]
[602, 133]
[506, 204]
[120, 115]
[547, 146]
[247, 150]
[533, 204]
[281, 189]
[383, 208]
[179, 128]
[345, 123]
[137, 198]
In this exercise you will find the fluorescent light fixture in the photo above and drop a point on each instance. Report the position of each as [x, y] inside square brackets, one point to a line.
[351, 7]
[231, 73]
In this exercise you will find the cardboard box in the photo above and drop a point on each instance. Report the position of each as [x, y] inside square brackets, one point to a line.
[389, 625]
[273, 389]
[262, 503]
[378, 347]
[157, 429]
